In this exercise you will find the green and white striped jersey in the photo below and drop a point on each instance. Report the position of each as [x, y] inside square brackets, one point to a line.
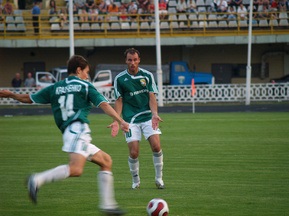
[134, 91]
[71, 100]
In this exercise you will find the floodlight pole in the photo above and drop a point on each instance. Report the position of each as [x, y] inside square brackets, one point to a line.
[71, 29]
[158, 52]
[248, 72]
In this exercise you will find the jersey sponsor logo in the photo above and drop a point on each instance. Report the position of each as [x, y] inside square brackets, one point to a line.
[67, 89]
[139, 92]
[143, 82]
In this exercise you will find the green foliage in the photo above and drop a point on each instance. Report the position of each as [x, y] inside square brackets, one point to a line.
[214, 164]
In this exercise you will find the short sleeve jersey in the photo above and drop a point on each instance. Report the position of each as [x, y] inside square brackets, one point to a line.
[134, 91]
[71, 100]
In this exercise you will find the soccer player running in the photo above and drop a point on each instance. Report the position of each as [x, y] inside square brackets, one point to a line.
[135, 90]
[71, 100]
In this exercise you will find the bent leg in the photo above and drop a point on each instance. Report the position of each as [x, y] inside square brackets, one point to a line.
[105, 180]
[61, 172]
[56, 174]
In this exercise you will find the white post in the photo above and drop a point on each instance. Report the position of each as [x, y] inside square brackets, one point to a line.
[71, 29]
[158, 52]
[248, 72]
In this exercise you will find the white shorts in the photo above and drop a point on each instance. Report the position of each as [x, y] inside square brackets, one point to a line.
[136, 130]
[76, 139]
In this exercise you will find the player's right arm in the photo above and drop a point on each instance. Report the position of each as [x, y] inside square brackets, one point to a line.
[117, 119]
[24, 98]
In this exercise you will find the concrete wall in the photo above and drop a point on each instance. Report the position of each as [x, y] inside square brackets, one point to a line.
[202, 56]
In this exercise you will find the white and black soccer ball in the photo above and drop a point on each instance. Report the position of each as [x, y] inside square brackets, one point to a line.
[157, 207]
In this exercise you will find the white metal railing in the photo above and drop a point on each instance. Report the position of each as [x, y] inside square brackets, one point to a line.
[204, 93]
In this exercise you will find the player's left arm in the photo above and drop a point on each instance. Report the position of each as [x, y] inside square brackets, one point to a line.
[24, 98]
[154, 109]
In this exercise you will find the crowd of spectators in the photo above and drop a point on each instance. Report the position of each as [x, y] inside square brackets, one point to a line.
[91, 10]
[261, 8]
[94, 10]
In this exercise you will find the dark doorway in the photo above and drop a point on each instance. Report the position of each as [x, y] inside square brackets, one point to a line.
[33, 67]
[222, 73]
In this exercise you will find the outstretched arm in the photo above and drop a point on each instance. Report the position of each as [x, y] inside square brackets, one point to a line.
[114, 126]
[116, 117]
[154, 108]
[24, 98]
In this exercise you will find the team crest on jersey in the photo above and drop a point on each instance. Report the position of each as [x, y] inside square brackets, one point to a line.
[143, 82]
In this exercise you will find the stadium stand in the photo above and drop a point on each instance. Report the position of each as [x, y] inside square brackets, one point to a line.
[203, 20]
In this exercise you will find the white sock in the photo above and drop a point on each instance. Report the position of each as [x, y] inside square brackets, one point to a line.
[134, 169]
[158, 164]
[106, 190]
[56, 174]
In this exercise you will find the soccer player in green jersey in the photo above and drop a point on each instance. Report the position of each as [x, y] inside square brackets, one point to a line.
[135, 90]
[71, 100]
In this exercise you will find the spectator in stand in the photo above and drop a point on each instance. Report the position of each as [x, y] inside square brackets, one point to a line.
[108, 2]
[143, 6]
[242, 12]
[265, 2]
[255, 8]
[52, 7]
[192, 7]
[29, 81]
[123, 13]
[231, 13]
[1, 9]
[8, 8]
[63, 17]
[35, 15]
[102, 8]
[16, 81]
[81, 10]
[220, 6]
[91, 10]
[283, 5]
[132, 10]
[273, 8]
[182, 6]
[163, 12]
[151, 7]
[94, 14]
[113, 9]
[80, 4]
[235, 3]
[264, 13]
[75, 9]
[126, 3]
[89, 5]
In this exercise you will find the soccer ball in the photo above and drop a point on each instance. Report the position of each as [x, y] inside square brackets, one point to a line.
[157, 207]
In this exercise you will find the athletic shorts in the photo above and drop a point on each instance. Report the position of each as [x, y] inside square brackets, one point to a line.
[76, 139]
[137, 129]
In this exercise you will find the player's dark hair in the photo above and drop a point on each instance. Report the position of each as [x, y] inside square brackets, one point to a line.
[74, 62]
[131, 51]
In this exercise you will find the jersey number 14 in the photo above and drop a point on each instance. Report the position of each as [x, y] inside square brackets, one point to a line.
[66, 106]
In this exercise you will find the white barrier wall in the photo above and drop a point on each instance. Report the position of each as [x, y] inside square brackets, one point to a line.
[204, 93]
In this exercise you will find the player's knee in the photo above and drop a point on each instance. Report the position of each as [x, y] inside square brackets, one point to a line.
[107, 162]
[156, 148]
[133, 154]
[76, 171]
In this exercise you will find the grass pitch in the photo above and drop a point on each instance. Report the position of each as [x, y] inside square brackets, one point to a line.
[214, 164]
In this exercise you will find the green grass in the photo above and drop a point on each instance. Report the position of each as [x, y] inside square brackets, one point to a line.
[214, 164]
